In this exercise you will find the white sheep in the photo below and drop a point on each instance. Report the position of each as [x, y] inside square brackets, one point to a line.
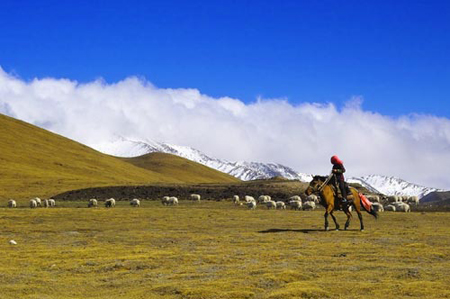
[38, 201]
[135, 202]
[309, 205]
[413, 200]
[173, 201]
[236, 199]
[92, 203]
[33, 204]
[390, 208]
[165, 200]
[12, 203]
[378, 207]
[52, 203]
[195, 197]
[271, 204]
[295, 197]
[295, 204]
[393, 198]
[264, 198]
[110, 203]
[402, 207]
[281, 205]
[373, 198]
[248, 198]
[45, 203]
[313, 198]
[251, 204]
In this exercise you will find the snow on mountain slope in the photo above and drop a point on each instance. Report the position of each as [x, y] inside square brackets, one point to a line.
[245, 171]
[364, 184]
[122, 147]
[396, 186]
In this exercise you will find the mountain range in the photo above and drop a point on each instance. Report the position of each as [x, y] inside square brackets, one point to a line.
[124, 147]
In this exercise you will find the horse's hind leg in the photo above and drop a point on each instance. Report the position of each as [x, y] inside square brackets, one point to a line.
[360, 219]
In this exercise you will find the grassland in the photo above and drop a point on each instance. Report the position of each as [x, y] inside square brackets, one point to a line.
[36, 162]
[217, 250]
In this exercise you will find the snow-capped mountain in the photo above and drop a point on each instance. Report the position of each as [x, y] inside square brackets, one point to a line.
[396, 186]
[245, 171]
[364, 184]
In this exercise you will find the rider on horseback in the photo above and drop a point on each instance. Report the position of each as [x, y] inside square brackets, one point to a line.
[338, 171]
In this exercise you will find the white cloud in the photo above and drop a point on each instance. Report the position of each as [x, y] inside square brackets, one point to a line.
[413, 147]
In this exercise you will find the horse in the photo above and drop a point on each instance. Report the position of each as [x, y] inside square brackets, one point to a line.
[323, 186]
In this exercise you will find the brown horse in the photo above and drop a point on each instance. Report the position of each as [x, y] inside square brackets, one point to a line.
[323, 187]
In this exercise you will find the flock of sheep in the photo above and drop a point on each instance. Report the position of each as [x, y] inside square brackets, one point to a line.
[393, 203]
[35, 202]
[380, 204]
[294, 202]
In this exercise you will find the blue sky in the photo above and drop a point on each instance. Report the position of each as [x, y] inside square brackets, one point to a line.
[395, 54]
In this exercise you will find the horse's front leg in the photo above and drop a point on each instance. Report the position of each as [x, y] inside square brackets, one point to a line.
[326, 220]
[334, 219]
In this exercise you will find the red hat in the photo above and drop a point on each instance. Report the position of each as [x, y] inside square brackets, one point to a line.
[336, 160]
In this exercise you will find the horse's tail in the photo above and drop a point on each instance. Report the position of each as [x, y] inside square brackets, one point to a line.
[367, 205]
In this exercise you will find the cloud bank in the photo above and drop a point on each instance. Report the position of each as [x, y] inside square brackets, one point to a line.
[304, 136]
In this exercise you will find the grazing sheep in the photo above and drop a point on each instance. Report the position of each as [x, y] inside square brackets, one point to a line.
[309, 205]
[92, 203]
[33, 204]
[377, 207]
[295, 204]
[264, 198]
[313, 198]
[271, 204]
[38, 201]
[135, 202]
[402, 207]
[52, 203]
[390, 208]
[251, 205]
[110, 203]
[413, 200]
[165, 200]
[12, 203]
[281, 205]
[173, 201]
[394, 198]
[248, 198]
[45, 203]
[236, 199]
[373, 198]
[295, 197]
[195, 197]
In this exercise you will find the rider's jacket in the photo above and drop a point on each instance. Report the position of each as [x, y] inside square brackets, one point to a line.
[338, 170]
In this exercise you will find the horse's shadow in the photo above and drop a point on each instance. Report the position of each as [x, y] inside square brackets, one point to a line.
[282, 230]
[305, 231]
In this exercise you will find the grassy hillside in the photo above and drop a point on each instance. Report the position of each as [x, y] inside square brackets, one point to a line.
[36, 162]
[174, 166]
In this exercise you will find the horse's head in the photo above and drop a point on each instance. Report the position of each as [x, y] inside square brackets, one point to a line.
[314, 185]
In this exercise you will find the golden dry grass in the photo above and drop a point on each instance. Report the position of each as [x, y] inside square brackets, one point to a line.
[217, 250]
[36, 162]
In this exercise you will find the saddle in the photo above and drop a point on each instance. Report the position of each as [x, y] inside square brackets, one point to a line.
[338, 195]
